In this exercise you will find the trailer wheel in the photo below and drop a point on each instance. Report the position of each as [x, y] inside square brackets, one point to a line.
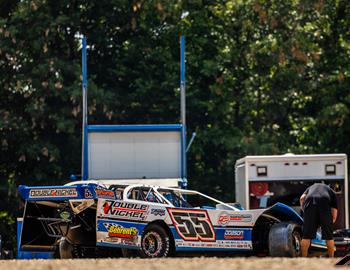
[65, 249]
[155, 242]
[284, 240]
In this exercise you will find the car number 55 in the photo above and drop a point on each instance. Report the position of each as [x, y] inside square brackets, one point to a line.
[192, 225]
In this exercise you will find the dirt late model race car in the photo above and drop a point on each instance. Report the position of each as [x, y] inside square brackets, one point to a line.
[150, 222]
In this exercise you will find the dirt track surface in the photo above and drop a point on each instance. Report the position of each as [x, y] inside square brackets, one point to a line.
[172, 263]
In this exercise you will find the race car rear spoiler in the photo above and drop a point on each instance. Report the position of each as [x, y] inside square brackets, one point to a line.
[62, 193]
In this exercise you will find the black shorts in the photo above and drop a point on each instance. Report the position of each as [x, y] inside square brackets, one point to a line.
[315, 217]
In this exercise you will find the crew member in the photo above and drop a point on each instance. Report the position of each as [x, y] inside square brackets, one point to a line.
[320, 210]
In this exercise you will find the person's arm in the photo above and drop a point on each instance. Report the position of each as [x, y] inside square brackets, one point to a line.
[334, 206]
[334, 214]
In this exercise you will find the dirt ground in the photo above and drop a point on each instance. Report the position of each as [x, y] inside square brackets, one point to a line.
[249, 263]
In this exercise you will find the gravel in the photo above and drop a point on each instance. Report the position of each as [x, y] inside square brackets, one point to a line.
[249, 263]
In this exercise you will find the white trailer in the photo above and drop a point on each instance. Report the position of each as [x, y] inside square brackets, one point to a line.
[261, 181]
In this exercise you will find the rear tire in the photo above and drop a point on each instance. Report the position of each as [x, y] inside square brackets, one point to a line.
[155, 242]
[285, 240]
[65, 249]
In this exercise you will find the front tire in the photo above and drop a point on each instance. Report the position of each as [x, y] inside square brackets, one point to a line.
[285, 240]
[155, 242]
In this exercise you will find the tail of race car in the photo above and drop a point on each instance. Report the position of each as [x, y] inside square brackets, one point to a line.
[58, 220]
[48, 225]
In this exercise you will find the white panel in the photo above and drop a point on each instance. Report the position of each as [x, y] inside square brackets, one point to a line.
[132, 155]
[241, 185]
[306, 169]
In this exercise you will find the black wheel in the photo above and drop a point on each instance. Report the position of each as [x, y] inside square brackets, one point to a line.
[285, 240]
[155, 242]
[65, 249]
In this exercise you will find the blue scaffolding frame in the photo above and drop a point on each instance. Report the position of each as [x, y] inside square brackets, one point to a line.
[86, 128]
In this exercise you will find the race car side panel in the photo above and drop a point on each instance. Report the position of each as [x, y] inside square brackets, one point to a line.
[121, 223]
[227, 239]
[119, 233]
[210, 230]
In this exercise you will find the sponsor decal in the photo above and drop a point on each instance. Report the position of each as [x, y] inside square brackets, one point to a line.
[115, 230]
[53, 192]
[234, 234]
[128, 242]
[104, 193]
[65, 215]
[192, 225]
[227, 218]
[158, 212]
[125, 210]
[88, 194]
[224, 244]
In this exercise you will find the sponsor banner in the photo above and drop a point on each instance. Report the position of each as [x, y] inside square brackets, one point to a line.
[231, 233]
[234, 234]
[125, 210]
[53, 192]
[158, 212]
[104, 193]
[119, 233]
[222, 244]
[226, 218]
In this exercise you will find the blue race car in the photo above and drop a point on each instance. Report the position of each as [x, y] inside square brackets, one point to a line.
[150, 222]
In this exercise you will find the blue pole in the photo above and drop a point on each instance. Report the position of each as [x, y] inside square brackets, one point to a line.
[85, 163]
[183, 110]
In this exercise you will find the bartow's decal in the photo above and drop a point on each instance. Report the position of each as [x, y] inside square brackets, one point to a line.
[192, 225]
[125, 210]
[228, 218]
[53, 192]
[158, 212]
[234, 234]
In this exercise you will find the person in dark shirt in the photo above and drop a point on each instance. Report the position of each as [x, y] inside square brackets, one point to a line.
[319, 203]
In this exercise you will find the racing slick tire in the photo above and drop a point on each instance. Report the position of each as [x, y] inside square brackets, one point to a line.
[284, 240]
[155, 242]
[65, 249]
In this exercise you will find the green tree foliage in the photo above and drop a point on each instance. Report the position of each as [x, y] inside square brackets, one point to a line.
[263, 77]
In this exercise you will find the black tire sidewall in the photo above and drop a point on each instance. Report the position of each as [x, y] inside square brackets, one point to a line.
[282, 240]
[65, 249]
[156, 230]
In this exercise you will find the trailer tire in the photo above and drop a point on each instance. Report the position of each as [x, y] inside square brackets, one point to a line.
[285, 240]
[155, 242]
[65, 249]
